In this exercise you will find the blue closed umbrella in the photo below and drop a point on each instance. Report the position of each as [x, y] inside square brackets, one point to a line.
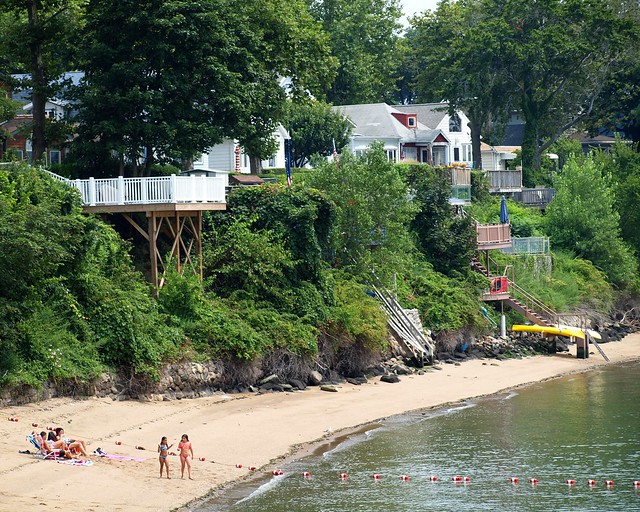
[504, 213]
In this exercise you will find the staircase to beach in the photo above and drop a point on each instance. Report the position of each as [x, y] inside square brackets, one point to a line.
[517, 298]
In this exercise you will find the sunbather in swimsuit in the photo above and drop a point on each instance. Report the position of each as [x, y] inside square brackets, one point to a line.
[186, 454]
[163, 450]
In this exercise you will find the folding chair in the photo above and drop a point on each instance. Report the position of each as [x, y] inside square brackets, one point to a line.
[54, 454]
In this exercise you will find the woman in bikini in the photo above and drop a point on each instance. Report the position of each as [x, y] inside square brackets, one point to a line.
[163, 450]
[73, 445]
[186, 454]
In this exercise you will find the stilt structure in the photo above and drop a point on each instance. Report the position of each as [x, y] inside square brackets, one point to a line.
[166, 207]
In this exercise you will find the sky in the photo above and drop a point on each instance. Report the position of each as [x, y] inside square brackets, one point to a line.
[411, 7]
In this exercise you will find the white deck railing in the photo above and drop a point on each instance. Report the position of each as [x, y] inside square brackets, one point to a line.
[162, 189]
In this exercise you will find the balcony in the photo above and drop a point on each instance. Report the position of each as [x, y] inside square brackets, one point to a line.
[535, 197]
[460, 178]
[493, 236]
[504, 181]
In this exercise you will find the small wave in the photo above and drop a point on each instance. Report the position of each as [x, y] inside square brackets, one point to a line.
[267, 486]
[451, 410]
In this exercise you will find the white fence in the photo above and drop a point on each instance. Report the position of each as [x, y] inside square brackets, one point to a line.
[163, 189]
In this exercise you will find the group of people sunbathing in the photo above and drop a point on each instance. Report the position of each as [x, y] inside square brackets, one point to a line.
[55, 443]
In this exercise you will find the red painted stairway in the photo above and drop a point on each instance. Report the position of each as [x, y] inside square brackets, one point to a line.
[515, 297]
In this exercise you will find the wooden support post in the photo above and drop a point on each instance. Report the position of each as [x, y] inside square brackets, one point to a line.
[153, 251]
[582, 348]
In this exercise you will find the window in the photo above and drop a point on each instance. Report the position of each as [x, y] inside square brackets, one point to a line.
[455, 125]
[411, 121]
[391, 155]
[456, 154]
[411, 153]
[54, 157]
[272, 161]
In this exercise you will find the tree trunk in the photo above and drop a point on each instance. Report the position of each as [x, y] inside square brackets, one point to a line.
[149, 161]
[39, 84]
[476, 149]
[255, 165]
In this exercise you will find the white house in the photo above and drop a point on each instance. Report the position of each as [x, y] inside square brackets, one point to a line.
[495, 158]
[454, 127]
[403, 136]
[229, 156]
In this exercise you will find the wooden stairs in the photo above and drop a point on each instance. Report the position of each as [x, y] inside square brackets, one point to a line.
[517, 298]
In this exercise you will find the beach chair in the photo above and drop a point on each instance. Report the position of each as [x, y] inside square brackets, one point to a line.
[39, 452]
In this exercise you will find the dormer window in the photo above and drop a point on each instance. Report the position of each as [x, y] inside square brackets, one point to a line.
[412, 122]
[455, 124]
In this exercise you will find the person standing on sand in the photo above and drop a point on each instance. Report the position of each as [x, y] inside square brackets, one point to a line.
[163, 450]
[186, 454]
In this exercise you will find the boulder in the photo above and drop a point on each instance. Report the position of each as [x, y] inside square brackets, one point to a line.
[297, 384]
[315, 378]
[271, 378]
[329, 387]
[390, 378]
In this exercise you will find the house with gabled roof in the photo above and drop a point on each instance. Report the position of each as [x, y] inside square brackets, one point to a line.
[403, 136]
[455, 127]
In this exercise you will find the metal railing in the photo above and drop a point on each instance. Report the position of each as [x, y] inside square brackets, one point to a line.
[161, 189]
[532, 303]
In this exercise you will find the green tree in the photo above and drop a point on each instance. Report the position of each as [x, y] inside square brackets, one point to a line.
[558, 56]
[38, 37]
[582, 219]
[184, 75]
[448, 241]
[457, 57]
[365, 40]
[284, 40]
[164, 80]
[373, 209]
[314, 129]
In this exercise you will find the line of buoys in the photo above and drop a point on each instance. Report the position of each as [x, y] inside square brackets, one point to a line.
[570, 482]
[138, 447]
[533, 481]
[12, 418]
[34, 424]
[202, 459]
[404, 478]
[636, 483]
[591, 483]
[277, 472]
[514, 479]
[306, 474]
[376, 476]
[238, 466]
[433, 479]
[118, 443]
[608, 483]
[459, 478]
[343, 476]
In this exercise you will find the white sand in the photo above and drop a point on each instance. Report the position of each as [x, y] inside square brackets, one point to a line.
[252, 430]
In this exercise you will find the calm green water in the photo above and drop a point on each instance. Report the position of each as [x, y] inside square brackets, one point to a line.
[580, 427]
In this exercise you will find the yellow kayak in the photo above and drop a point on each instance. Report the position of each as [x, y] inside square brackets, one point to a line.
[557, 330]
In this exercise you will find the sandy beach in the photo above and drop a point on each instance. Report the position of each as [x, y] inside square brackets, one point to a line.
[227, 430]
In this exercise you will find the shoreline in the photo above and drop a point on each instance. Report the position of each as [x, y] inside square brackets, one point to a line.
[314, 448]
[252, 430]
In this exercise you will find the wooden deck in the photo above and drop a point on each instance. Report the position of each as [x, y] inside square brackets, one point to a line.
[158, 193]
[162, 206]
[493, 236]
